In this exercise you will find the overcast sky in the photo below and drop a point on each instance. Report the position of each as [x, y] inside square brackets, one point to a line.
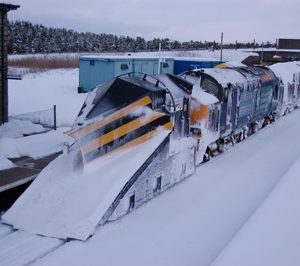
[263, 20]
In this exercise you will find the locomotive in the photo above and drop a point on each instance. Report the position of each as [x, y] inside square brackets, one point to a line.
[138, 135]
[249, 98]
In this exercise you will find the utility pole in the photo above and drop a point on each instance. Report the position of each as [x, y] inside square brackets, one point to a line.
[159, 49]
[221, 57]
[262, 54]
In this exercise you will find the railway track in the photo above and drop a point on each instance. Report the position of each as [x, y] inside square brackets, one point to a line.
[19, 248]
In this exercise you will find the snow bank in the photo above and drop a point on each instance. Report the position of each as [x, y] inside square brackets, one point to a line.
[36, 92]
[271, 236]
[65, 203]
[34, 146]
[5, 163]
[19, 128]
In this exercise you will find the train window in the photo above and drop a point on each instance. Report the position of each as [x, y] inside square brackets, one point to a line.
[276, 92]
[124, 67]
[210, 86]
[165, 65]
[131, 201]
[214, 115]
[229, 107]
[225, 94]
[158, 185]
[183, 168]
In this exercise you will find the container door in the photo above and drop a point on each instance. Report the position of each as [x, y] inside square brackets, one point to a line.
[155, 68]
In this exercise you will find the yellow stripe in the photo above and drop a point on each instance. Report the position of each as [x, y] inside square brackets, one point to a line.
[143, 138]
[78, 133]
[119, 132]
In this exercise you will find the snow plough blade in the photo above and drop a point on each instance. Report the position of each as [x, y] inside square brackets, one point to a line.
[67, 203]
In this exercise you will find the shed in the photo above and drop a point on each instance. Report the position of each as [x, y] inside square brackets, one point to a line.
[98, 69]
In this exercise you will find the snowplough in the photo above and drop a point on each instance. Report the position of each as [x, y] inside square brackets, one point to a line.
[135, 136]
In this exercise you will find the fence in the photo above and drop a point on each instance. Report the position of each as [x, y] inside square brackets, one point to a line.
[46, 118]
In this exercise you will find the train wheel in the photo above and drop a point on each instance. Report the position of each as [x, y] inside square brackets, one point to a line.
[207, 155]
[221, 145]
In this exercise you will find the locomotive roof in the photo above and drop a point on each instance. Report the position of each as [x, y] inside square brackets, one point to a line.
[229, 75]
[236, 75]
[286, 71]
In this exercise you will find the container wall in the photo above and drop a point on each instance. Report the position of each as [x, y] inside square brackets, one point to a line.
[184, 65]
[93, 72]
[122, 67]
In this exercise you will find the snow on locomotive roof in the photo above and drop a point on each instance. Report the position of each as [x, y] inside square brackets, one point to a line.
[286, 70]
[224, 76]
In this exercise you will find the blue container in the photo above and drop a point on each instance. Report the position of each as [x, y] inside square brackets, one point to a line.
[181, 65]
[94, 70]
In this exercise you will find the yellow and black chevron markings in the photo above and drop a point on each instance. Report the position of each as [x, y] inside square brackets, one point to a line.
[124, 128]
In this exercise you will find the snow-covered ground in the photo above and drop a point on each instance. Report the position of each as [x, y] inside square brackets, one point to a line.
[239, 209]
[34, 146]
[40, 91]
[271, 236]
[42, 143]
[34, 93]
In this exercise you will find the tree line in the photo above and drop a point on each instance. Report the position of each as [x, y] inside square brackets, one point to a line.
[28, 38]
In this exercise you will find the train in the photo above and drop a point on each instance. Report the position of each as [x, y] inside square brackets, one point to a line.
[249, 98]
[144, 133]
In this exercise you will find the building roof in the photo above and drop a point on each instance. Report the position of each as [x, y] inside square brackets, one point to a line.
[122, 57]
[8, 7]
[289, 43]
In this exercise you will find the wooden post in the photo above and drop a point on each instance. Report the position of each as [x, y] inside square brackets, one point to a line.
[54, 114]
[4, 9]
